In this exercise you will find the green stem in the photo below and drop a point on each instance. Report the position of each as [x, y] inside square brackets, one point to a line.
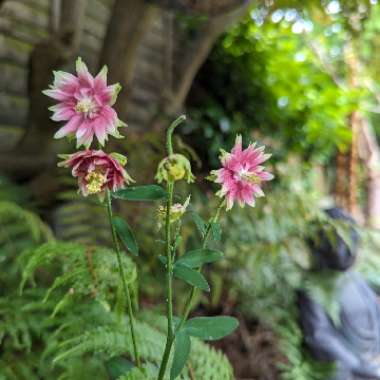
[169, 280]
[124, 283]
[169, 133]
[190, 298]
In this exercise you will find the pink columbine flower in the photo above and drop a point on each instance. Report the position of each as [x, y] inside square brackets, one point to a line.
[85, 103]
[97, 171]
[242, 175]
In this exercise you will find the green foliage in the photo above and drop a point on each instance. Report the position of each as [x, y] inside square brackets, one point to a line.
[264, 79]
[141, 193]
[268, 261]
[86, 271]
[191, 276]
[211, 328]
[198, 257]
[181, 353]
[68, 322]
[114, 339]
[126, 235]
[82, 220]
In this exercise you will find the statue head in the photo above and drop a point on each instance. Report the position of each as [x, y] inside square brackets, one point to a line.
[330, 250]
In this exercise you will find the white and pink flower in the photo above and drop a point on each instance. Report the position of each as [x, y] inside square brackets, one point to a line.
[97, 171]
[242, 174]
[85, 104]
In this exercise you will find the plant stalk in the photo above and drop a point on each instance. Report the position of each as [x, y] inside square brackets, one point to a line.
[169, 133]
[190, 298]
[122, 277]
[169, 281]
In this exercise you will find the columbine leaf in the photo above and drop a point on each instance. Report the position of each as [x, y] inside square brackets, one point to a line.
[163, 259]
[117, 367]
[211, 328]
[181, 353]
[191, 276]
[177, 242]
[199, 223]
[141, 193]
[216, 231]
[198, 257]
[125, 234]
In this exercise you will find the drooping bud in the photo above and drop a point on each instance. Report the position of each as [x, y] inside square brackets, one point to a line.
[174, 168]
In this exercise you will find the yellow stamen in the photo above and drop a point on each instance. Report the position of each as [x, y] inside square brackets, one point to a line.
[84, 105]
[95, 181]
[251, 178]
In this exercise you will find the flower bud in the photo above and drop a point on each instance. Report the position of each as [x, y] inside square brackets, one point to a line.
[176, 212]
[174, 168]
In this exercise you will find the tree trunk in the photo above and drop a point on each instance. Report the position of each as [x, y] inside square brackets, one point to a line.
[130, 20]
[370, 154]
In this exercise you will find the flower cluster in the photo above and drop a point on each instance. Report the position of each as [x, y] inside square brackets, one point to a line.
[242, 174]
[85, 104]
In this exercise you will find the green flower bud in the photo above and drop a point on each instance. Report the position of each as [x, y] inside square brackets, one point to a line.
[176, 212]
[174, 168]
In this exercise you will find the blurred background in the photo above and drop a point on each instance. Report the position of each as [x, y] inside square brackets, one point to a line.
[301, 77]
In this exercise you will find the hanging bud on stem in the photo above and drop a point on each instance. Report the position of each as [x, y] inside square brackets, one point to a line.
[174, 168]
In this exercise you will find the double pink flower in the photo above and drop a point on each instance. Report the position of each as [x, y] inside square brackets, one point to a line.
[97, 171]
[85, 104]
[242, 174]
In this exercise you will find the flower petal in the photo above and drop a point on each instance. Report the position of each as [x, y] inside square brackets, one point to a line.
[70, 127]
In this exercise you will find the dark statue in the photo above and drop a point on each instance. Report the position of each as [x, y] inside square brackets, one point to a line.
[353, 344]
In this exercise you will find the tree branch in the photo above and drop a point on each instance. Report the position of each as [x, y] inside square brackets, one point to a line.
[211, 8]
[195, 54]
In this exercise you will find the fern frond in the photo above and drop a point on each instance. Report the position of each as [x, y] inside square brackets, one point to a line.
[87, 271]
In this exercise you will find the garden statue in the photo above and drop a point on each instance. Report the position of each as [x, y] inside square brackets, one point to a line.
[353, 341]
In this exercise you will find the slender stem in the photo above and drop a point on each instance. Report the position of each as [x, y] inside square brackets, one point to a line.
[176, 235]
[124, 283]
[190, 297]
[171, 334]
[169, 133]
[169, 280]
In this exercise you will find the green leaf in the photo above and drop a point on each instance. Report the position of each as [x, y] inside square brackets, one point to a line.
[181, 353]
[199, 223]
[211, 328]
[198, 257]
[177, 242]
[117, 367]
[163, 259]
[141, 193]
[125, 234]
[216, 231]
[191, 276]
